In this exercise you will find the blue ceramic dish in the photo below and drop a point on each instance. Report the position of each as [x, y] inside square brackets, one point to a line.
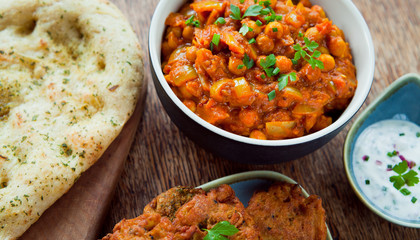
[245, 184]
[401, 100]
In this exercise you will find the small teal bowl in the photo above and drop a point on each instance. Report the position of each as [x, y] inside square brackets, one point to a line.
[400, 100]
[246, 183]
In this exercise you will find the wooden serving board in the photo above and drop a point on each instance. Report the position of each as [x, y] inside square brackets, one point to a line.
[79, 214]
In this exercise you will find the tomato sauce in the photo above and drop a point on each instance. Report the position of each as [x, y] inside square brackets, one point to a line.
[234, 63]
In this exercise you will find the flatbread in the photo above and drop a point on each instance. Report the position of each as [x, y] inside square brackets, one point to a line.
[70, 75]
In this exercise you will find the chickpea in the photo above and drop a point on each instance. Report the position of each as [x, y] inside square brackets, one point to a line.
[295, 19]
[236, 66]
[323, 50]
[166, 49]
[313, 34]
[191, 105]
[188, 32]
[255, 28]
[248, 117]
[257, 134]
[328, 61]
[310, 73]
[274, 30]
[284, 64]
[191, 53]
[338, 47]
[175, 30]
[172, 40]
[318, 9]
[265, 43]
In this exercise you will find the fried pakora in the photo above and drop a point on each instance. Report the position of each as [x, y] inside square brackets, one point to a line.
[283, 213]
[183, 213]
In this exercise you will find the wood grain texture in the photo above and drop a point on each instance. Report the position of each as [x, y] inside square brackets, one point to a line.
[162, 157]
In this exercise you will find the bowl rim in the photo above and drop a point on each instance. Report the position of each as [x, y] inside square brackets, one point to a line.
[341, 121]
[254, 175]
[388, 92]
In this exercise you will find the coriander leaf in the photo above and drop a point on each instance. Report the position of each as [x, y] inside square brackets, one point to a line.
[269, 61]
[283, 81]
[316, 54]
[411, 178]
[248, 62]
[236, 12]
[400, 168]
[265, 11]
[271, 95]
[245, 29]
[220, 229]
[225, 228]
[253, 10]
[398, 181]
[220, 21]
[293, 77]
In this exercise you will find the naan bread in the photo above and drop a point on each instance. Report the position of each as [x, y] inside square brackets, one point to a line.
[70, 75]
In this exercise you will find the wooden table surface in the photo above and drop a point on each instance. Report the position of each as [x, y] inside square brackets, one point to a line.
[161, 157]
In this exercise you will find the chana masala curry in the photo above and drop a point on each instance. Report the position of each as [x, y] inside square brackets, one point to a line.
[273, 69]
[280, 213]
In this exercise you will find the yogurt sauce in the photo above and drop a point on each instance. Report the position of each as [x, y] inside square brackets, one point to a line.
[378, 149]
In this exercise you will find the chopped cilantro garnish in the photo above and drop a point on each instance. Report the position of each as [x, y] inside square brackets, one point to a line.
[402, 134]
[284, 79]
[367, 181]
[216, 39]
[253, 10]
[413, 199]
[248, 62]
[300, 34]
[242, 1]
[220, 230]
[265, 3]
[418, 134]
[271, 95]
[245, 29]
[392, 154]
[236, 12]
[191, 22]
[259, 23]
[405, 191]
[252, 41]
[302, 53]
[267, 64]
[220, 21]
[410, 178]
[241, 66]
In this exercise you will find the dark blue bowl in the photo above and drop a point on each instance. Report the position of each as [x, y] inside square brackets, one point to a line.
[252, 151]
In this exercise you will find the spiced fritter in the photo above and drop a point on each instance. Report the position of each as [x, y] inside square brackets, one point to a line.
[182, 213]
[284, 213]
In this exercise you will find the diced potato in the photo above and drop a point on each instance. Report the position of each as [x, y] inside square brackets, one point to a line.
[217, 88]
[183, 74]
[280, 129]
